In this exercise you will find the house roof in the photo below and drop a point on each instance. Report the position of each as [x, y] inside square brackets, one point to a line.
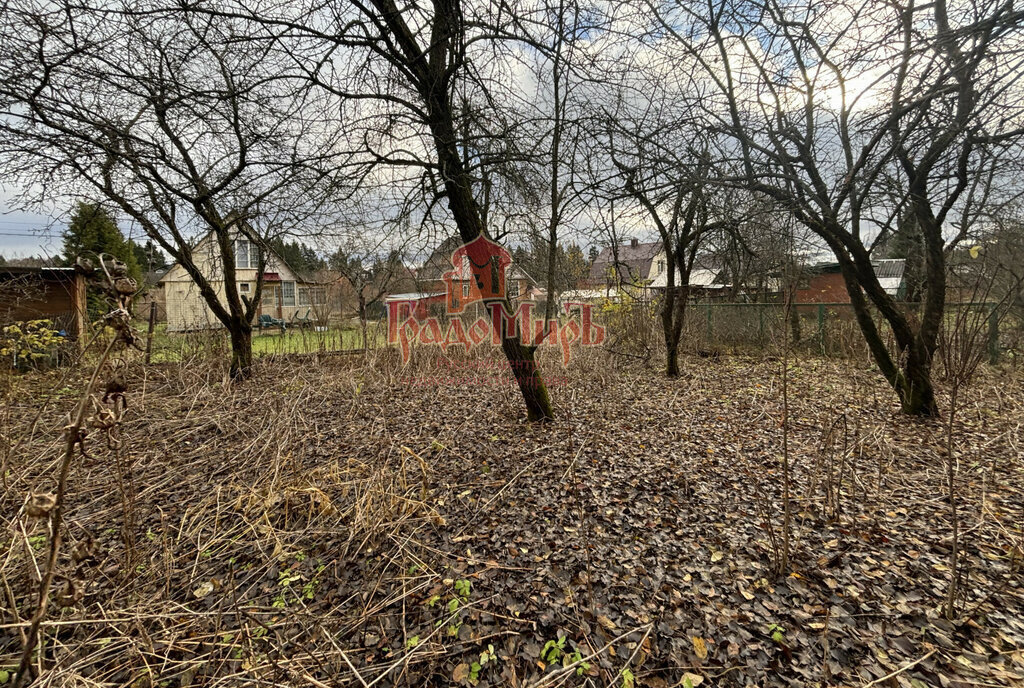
[636, 257]
[440, 262]
[573, 295]
[413, 296]
[889, 272]
[44, 273]
[889, 268]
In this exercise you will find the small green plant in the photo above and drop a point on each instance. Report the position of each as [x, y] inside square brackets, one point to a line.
[37, 541]
[628, 679]
[433, 600]
[309, 589]
[576, 656]
[553, 650]
[487, 655]
[474, 673]
[412, 642]
[463, 587]
[777, 632]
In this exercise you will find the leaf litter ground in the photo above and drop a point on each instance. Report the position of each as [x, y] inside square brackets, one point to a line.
[360, 523]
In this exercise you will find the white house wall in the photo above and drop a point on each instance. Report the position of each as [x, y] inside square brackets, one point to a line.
[186, 307]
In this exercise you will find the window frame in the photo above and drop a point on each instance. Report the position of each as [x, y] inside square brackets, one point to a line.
[286, 300]
[242, 250]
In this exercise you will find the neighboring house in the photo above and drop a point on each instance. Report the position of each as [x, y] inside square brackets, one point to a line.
[448, 276]
[823, 282]
[54, 294]
[286, 293]
[629, 264]
[152, 293]
[705, 278]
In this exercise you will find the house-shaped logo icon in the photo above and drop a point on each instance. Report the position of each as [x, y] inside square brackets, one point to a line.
[477, 274]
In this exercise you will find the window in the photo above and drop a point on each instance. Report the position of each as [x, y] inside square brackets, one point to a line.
[244, 287]
[465, 289]
[269, 295]
[287, 293]
[312, 296]
[247, 254]
[242, 253]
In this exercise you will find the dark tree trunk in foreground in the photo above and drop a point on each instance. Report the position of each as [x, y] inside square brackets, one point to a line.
[910, 376]
[521, 357]
[673, 312]
[241, 349]
[431, 72]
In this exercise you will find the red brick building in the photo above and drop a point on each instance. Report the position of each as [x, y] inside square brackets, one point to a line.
[823, 283]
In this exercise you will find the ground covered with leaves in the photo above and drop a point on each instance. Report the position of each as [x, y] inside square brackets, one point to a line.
[352, 522]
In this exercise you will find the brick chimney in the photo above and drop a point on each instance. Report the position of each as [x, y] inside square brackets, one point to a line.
[634, 242]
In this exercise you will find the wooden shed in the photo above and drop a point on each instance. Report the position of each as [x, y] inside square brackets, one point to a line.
[55, 294]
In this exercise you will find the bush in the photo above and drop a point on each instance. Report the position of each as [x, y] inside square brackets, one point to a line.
[29, 344]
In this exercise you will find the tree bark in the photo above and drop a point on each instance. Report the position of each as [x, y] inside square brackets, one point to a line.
[673, 311]
[912, 379]
[241, 348]
[467, 217]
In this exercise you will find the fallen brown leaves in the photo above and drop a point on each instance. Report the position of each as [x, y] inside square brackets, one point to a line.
[329, 524]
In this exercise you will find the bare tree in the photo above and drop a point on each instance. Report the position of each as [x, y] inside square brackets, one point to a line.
[187, 130]
[427, 105]
[369, 271]
[829, 108]
[674, 196]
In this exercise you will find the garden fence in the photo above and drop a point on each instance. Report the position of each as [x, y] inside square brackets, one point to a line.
[831, 329]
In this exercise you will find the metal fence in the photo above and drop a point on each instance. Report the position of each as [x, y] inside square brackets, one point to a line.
[831, 329]
[213, 343]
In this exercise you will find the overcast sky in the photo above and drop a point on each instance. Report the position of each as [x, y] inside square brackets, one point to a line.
[27, 234]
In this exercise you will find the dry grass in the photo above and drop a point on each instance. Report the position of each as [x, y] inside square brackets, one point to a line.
[288, 531]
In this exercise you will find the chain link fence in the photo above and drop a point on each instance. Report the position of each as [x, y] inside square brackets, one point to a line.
[831, 329]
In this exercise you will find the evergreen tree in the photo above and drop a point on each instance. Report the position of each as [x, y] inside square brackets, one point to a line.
[297, 256]
[149, 257]
[575, 267]
[92, 231]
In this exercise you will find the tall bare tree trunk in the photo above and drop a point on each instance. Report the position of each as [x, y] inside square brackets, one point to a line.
[240, 332]
[464, 209]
